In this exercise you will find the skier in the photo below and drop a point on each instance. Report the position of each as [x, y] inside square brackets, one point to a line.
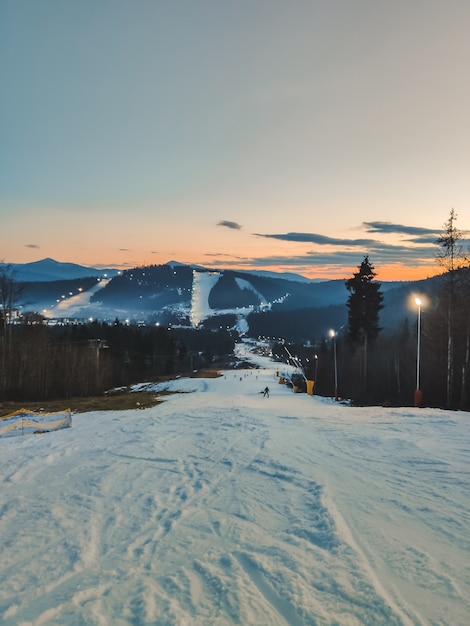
[266, 392]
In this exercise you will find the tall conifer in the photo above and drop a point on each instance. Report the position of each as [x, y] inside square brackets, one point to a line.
[364, 304]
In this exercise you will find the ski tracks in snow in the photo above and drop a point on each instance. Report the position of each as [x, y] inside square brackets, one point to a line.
[207, 509]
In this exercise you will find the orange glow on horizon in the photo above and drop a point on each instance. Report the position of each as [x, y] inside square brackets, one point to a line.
[128, 259]
[388, 273]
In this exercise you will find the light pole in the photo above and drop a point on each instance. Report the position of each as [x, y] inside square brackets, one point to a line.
[332, 334]
[418, 395]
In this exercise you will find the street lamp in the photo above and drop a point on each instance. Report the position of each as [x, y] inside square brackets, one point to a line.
[332, 334]
[418, 395]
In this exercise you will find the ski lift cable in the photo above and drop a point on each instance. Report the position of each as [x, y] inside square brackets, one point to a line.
[296, 362]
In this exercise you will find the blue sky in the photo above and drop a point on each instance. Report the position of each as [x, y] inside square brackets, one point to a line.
[293, 135]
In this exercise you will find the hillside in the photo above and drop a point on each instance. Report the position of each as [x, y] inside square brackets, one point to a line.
[255, 303]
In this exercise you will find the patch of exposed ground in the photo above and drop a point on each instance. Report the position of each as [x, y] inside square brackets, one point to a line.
[121, 399]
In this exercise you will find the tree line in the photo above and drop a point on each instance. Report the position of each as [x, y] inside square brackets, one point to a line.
[427, 361]
[41, 362]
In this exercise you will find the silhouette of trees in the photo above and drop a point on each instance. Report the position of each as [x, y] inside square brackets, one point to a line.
[364, 305]
[452, 258]
[10, 294]
[63, 361]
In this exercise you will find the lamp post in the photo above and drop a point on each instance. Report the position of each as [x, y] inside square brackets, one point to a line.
[418, 395]
[332, 334]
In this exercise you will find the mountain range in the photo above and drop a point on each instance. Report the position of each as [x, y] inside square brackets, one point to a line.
[175, 293]
[49, 270]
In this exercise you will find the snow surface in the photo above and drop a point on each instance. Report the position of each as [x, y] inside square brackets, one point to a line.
[203, 282]
[77, 305]
[245, 284]
[221, 507]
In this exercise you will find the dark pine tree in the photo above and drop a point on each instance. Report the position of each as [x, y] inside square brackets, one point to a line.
[364, 304]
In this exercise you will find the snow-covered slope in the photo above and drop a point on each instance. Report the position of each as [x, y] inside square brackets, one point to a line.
[203, 282]
[221, 507]
[77, 305]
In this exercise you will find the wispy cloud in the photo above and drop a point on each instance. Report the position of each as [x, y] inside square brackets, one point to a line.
[228, 224]
[418, 234]
[343, 253]
[321, 240]
[219, 255]
[389, 227]
[33, 245]
[337, 259]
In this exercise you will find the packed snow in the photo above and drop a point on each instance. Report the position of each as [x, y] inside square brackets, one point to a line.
[220, 506]
[245, 284]
[76, 305]
[203, 282]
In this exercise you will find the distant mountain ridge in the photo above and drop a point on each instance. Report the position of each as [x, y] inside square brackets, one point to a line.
[191, 295]
[50, 270]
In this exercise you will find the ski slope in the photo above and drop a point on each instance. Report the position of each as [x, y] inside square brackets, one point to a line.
[221, 507]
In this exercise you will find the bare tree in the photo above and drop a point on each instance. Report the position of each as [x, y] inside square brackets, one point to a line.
[451, 257]
[10, 294]
[11, 291]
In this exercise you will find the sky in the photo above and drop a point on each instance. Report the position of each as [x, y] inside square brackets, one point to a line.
[219, 506]
[289, 136]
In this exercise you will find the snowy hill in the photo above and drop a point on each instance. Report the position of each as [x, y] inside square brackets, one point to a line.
[172, 293]
[219, 506]
[175, 293]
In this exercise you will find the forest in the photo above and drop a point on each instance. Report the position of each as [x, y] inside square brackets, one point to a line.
[387, 374]
[425, 362]
[42, 362]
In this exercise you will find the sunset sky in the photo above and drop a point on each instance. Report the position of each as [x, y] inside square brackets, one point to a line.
[253, 134]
